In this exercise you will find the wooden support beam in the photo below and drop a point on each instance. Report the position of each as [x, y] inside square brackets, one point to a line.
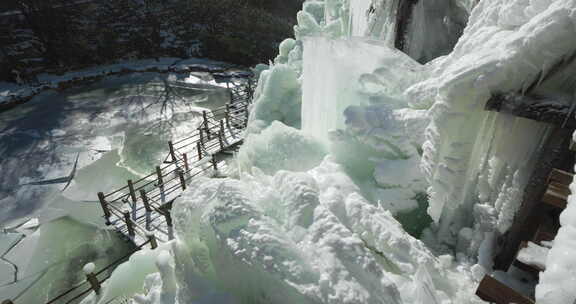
[534, 107]
[491, 290]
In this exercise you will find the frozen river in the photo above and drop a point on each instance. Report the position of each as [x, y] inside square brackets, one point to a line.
[102, 135]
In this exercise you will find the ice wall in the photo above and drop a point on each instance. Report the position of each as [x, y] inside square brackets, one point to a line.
[331, 72]
[472, 158]
[304, 237]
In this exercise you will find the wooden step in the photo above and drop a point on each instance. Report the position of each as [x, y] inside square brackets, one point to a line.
[494, 291]
[534, 269]
[561, 177]
[556, 195]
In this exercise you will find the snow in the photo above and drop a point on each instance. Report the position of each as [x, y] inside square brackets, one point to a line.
[533, 255]
[557, 280]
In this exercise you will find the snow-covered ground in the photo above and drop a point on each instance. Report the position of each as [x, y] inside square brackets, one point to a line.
[12, 92]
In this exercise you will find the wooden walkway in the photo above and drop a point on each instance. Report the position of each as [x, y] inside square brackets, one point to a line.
[140, 210]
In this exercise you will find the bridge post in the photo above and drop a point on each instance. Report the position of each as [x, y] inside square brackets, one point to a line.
[132, 192]
[205, 117]
[129, 223]
[182, 180]
[214, 163]
[145, 200]
[168, 218]
[91, 277]
[185, 157]
[159, 176]
[227, 117]
[172, 153]
[201, 135]
[221, 136]
[199, 149]
[152, 238]
[104, 206]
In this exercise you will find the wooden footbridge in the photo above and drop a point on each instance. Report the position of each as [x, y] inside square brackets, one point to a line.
[140, 210]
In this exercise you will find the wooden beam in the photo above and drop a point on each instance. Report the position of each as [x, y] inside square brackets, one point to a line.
[556, 195]
[560, 176]
[491, 290]
[534, 107]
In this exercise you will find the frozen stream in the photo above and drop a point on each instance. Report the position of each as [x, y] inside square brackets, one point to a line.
[115, 130]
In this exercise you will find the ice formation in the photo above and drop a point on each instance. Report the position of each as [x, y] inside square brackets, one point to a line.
[295, 229]
[556, 283]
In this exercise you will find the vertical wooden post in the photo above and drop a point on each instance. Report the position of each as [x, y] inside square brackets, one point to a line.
[214, 163]
[91, 277]
[159, 175]
[104, 206]
[221, 136]
[145, 200]
[132, 192]
[205, 117]
[172, 153]
[227, 117]
[182, 180]
[199, 149]
[201, 135]
[129, 223]
[152, 238]
[186, 166]
[168, 218]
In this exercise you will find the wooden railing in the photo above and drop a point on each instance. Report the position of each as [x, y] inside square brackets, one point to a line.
[135, 208]
[142, 206]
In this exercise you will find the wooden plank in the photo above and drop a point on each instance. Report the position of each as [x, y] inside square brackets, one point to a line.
[494, 291]
[538, 108]
[561, 177]
[555, 196]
